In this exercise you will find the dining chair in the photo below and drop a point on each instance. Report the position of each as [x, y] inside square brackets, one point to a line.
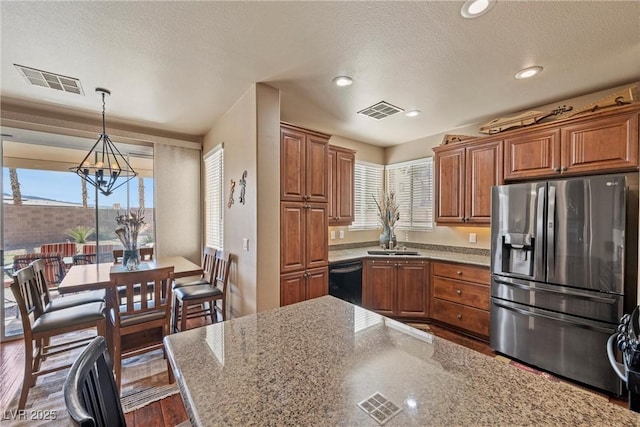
[209, 294]
[146, 254]
[54, 268]
[90, 392]
[52, 304]
[139, 324]
[40, 326]
[208, 267]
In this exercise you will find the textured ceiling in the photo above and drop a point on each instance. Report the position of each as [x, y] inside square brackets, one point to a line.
[179, 66]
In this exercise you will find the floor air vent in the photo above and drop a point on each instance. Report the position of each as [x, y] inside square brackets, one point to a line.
[50, 80]
[380, 110]
[379, 408]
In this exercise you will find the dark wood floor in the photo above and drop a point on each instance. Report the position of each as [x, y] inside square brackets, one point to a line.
[170, 411]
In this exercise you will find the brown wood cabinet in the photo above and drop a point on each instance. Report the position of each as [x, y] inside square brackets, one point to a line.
[304, 158]
[341, 185]
[606, 143]
[396, 287]
[464, 176]
[304, 219]
[461, 297]
[303, 285]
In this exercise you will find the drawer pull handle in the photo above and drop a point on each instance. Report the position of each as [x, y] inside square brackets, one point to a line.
[458, 291]
[459, 273]
[459, 316]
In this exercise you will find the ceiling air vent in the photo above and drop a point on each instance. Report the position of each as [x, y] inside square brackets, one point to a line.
[51, 80]
[380, 110]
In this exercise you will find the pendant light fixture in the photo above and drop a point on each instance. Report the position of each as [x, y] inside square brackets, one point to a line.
[104, 166]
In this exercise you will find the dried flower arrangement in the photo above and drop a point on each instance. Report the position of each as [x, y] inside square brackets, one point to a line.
[129, 225]
[388, 210]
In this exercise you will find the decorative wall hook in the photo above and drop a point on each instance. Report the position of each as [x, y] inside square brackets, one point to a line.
[231, 190]
[243, 184]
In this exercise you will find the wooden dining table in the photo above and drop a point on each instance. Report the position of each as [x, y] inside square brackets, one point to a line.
[91, 277]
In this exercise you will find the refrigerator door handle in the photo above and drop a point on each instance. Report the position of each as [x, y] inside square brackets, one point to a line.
[553, 289]
[538, 267]
[551, 238]
[583, 323]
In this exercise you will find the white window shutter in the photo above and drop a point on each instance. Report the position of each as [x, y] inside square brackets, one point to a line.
[214, 193]
[368, 180]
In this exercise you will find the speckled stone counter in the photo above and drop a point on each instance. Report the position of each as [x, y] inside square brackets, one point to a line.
[311, 364]
[437, 255]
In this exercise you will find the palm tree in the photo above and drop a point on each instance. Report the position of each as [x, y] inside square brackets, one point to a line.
[15, 187]
[141, 192]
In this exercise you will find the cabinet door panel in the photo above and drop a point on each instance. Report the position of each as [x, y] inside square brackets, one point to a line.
[292, 164]
[462, 316]
[317, 282]
[317, 152]
[533, 154]
[461, 292]
[483, 170]
[412, 286]
[345, 168]
[316, 239]
[450, 185]
[292, 236]
[378, 289]
[605, 144]
[333, 187]
[292, 288]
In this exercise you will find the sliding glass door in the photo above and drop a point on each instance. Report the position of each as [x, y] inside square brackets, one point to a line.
[48, 210]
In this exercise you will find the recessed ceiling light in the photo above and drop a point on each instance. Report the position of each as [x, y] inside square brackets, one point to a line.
[412, 113]
[342, 81]
[475, 8]
[528, 72]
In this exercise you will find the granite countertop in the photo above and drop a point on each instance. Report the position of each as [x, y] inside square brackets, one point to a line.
[311, 363]
[439, 253]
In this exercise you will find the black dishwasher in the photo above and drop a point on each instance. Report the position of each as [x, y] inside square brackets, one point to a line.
[345, 281]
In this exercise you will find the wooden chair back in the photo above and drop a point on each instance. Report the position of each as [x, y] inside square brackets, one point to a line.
[24, 288]
[146, 254]
[221, 274]
[42, 284]
[67, 249]
[209, 263]
[90, 391]
[54, 269]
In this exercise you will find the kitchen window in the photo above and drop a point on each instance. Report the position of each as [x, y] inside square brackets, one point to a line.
[214, 195]
[368, 182]
[413, 184]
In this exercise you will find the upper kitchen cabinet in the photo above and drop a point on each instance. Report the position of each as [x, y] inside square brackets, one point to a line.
[304, 158]
[606, 142]
[464, 175]
[341, 182]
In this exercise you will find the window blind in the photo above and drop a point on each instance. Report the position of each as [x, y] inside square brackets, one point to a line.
[413, 184]
[214, 194]
[368, 182]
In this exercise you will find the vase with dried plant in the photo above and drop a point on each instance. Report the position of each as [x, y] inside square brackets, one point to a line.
[388, 214]
[130, 224]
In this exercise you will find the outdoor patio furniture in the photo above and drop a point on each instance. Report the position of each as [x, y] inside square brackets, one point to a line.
[67, 249]
[39, 327]
[54, 268]
[146, 254]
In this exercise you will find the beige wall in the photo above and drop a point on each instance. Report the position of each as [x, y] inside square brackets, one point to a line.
[251, 136]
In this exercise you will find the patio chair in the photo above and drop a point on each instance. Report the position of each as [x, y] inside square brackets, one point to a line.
[67, 249]
[40, 326]
[140, 324]
[210, 294]
[54, 269]
[90, 392]
[48, 304]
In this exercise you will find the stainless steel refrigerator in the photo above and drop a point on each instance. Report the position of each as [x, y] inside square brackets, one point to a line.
[564, 269]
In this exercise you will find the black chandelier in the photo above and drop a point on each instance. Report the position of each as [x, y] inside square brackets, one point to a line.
[110, 169]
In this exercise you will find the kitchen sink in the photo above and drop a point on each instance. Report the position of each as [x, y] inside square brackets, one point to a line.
[392, 252]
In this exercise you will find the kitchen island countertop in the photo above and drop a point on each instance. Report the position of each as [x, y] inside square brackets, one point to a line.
[311, 363]
[452, 255]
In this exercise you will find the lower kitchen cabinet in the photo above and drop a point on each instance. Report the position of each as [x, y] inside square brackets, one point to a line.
[396, 287]
[303, 285]
[461, 297]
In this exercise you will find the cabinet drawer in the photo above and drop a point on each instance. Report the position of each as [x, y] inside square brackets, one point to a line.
[461, 292]
[461, 316]
[462, 272]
